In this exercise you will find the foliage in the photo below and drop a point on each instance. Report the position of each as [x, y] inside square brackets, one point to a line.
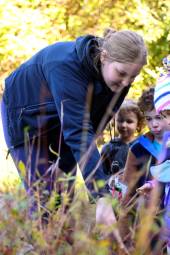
[27, 26]
[70, 229]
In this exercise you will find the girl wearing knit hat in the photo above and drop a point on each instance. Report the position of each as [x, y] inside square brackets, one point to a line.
[162, 105]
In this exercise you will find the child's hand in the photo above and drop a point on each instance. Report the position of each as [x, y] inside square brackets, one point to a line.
[145, 189]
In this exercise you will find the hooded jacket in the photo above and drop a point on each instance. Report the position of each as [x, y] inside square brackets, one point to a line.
[50, 90]
[115, 151]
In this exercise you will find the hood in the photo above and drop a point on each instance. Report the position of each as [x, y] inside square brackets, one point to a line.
[86, 48]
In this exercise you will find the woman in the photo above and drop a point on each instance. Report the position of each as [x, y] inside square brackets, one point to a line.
[53, 103]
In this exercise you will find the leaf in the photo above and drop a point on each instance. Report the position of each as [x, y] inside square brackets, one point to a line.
[22, 169]
[80, 187]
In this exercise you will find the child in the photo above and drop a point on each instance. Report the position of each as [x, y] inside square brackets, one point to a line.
[129, 121]
[145, 149]
[144, 152]
[160, 172]
[147, 146]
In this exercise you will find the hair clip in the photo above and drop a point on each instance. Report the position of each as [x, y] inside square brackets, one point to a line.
[166, 66]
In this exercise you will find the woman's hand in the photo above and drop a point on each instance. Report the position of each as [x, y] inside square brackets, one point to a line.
[106, 217]
[104, 212]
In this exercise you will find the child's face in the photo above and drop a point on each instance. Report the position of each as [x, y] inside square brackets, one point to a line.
[156, 123]
[166, 115]
[127, 123]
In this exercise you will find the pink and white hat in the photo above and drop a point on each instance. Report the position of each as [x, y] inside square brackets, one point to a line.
[162, 89]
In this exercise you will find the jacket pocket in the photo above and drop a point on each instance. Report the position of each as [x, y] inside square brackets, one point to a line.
[37, 109]
[34, 120]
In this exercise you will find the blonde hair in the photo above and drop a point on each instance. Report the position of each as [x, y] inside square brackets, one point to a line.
[123, 46]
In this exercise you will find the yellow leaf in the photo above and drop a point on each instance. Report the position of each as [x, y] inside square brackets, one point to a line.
[80, 186]
[22, 169]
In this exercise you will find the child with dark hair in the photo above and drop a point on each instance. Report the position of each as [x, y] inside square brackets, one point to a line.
[143, 153]
[147, 146]
[129, 122]
[160, 172]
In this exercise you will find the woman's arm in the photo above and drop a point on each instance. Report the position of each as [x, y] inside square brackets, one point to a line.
[105, 216]
[70, 92]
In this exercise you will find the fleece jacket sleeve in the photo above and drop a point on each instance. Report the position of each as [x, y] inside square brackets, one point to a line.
[70, 95]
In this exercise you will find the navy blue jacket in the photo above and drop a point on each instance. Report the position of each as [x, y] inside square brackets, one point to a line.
[114, 151]
[51, 88]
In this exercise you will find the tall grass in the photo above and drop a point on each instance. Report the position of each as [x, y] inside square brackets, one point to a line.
[71, 228]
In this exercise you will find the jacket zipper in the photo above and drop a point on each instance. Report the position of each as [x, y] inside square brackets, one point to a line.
[32, 107]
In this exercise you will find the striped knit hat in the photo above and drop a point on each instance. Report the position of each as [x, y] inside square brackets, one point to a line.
[162, 89]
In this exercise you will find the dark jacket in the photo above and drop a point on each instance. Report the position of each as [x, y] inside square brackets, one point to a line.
[114, 151]
[51, 88]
